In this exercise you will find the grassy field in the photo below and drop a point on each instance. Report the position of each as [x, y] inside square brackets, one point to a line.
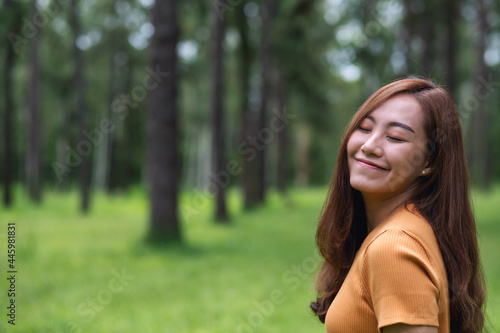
[95, 274]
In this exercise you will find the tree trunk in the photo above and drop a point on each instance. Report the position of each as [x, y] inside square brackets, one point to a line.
[428, 33]
[450, 19]
[406, 34]
[250, 171]
[283, 136]
[479, 151]
[303, 155]
[7, 128]
[84, 147]
[100, 173]
[65, 136]
[8, 137]
[220, 177]
[420, 24]
[34, 153]
[265, 58]
[120, 151]
[163, 157]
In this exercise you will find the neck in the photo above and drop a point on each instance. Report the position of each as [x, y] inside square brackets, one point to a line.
[379, 208]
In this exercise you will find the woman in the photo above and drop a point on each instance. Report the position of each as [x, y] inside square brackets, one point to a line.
[397, 233]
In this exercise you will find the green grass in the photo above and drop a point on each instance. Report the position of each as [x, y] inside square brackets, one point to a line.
[487, 212]
[255, 275]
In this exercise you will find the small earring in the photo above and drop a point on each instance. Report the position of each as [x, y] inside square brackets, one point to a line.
[423, 172]
[363, 148]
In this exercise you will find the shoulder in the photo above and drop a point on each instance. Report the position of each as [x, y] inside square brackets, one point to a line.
[404, 235]
[395, 246]
[402, 274]
[410, 220]
[404, 228]
[405, 248]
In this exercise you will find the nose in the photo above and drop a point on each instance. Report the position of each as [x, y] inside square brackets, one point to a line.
[372, 147]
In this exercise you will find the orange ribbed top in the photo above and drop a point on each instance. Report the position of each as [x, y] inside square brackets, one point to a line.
[398, 276]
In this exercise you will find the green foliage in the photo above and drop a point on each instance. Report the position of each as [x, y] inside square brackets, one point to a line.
[259, 271]
[314, 44]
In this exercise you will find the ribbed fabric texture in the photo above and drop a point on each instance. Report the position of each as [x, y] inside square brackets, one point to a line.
[398, 276]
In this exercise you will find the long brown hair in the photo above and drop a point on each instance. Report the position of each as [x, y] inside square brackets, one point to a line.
[442, 197]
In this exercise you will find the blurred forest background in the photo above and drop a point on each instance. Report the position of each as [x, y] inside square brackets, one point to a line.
[105, 95]
[217, 108]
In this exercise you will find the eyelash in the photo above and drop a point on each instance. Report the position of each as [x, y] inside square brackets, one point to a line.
[395, 139]
[365, 130]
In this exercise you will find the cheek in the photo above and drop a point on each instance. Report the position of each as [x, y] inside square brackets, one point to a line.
[416, 158]
[353, 144]
[409, 163]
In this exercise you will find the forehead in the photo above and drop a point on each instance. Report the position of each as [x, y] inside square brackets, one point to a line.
[400, 108]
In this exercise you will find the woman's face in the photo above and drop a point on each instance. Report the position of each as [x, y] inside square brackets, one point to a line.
[386, 153]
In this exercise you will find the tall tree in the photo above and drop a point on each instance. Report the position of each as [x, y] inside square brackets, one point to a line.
[162, 145]
[427, 32]
[307, 37]
[34, 146]
[479, 146]
[14, 12]
[84, 150]
[451, 16]
[254, 121]
[123, 167]
[218, 132]
[406, 33]
[419, 22]
[283, 135]
[265, 68]
[7, 128]
[101, 168]
[250, 172]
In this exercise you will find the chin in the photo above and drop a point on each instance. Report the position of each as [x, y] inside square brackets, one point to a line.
[365, 188]
[358, 185]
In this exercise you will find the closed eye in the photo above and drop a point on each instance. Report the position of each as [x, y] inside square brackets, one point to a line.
[395, 139]
[364, 130]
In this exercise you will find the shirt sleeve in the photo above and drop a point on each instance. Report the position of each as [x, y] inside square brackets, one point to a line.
[400, 281]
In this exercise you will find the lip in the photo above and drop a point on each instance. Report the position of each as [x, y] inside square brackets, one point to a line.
[369, 164]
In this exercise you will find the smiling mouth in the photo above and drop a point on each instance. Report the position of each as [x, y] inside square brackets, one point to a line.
[369, 165]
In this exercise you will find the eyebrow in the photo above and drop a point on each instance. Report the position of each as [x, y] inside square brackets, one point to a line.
[394, 124]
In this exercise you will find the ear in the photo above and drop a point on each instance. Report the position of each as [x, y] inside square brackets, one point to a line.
[427, 168]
